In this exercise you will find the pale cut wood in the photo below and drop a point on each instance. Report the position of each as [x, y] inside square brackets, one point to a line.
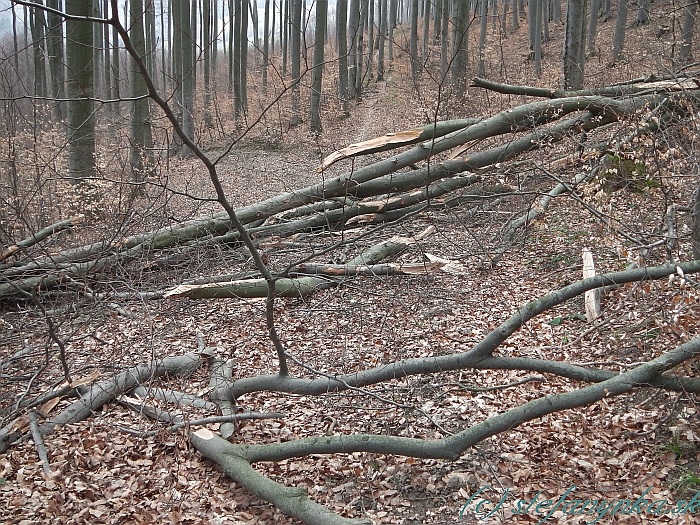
[591, 297]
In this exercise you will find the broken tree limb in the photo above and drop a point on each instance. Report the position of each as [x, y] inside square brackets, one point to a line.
[339, 270]
[105, 391]
[220, 372]
[40, 236]
[381, 178]
[295, 286]
[396, 140]
[621, 90]
[294, 502]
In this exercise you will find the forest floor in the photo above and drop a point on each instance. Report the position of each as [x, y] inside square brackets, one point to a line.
[615, 449]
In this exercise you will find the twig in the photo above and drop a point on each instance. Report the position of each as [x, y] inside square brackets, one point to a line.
[38, 441]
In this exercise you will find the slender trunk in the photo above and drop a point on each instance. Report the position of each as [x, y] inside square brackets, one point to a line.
[413, 46]
[341, 17]
[593, 25]
[207, 45]
[620, 29]
[444, 41]
[188, 76]
[460, 59]
[393, 6]
[81, 120]
[317, 69]
[381, 39]
[537, 5]
[426, 28]
[483, 26]
[266, 46]
[295, 49]
[687, 33]
[56, 60]
[353, 28]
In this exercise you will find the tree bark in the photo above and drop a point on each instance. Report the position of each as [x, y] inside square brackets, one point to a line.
[317, 68]
[81, 118]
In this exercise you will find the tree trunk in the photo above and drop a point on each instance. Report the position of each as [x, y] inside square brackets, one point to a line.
[38, 22]
[140, 129]
[393, 6]
[687, 33]
[483, 26]
[295, 49]
[54, 43]
[459, 48]
[537, 5]
[381, 38]
[188, 66]
[317, 70]
[593, 25]
[643, 11]
[341, 18]
[426, 28]
[266, 45]
[413, 46]
[574, 44]
[620, 29]
[353, 29]
[81, 120]
[445, 57]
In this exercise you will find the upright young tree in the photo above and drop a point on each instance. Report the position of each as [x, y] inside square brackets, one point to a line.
[620, 29]
[208, 42]
[643, 12]
[483, 26]
[381, 38]
[353, 54]
[80, 91]
[426, 27]
[295, 57]
[140, 128]
[341, 20]
[393, 7]
[445, 57]
[574, 44]
[38, 23]
[413, 45]
[593, 25]
[187, 75]
[460, 56]
[687, 33]
[266, 45]
[54, 45]
[317, 67]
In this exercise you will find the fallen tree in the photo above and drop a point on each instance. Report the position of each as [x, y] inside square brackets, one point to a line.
[377, 193]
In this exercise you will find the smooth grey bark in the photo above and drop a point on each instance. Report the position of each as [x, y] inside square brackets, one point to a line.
[140, 123]
[266, 45]
[80, 90]
[460, 55]
[593, 25]
[643, 12]
[574, 44]
[413, 45]
[426, 28]
[253, 8]
[243, 62]
[620, 29]
[54, 46]
[295, 50]
[687, 33]
[445, 58]
[393, 7]
[341, 18]
[188, 68]
[353, 29]
[238, 13]
[381, 38]
[536, 5]
[317, 67]
[359, 79]
[483, 26]
[284, 34]
[37, 24]
[207, 44]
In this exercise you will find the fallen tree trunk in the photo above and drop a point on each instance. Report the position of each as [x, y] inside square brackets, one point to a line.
[379, 192]
[294, 286]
